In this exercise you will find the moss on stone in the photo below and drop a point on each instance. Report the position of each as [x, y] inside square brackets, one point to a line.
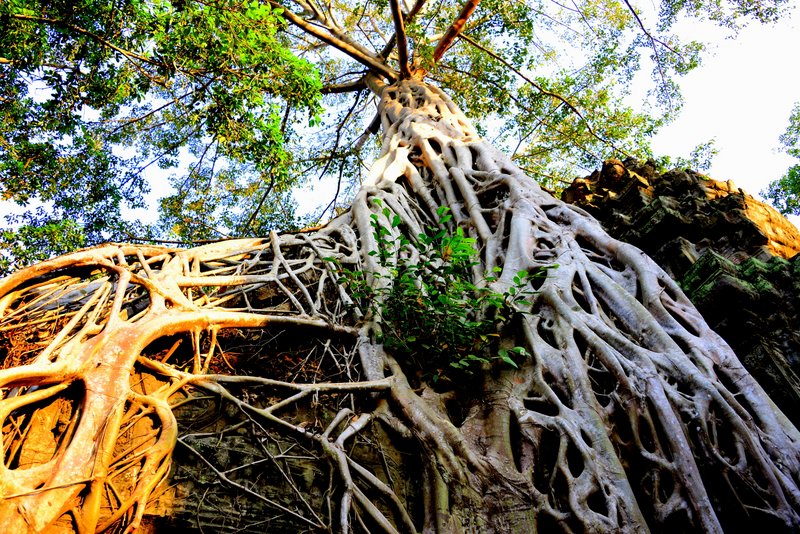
[708, 268]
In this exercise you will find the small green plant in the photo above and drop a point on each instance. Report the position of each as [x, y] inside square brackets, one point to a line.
[431, 314]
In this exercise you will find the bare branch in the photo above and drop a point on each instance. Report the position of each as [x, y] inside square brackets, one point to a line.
[263, 199]
[402, 41]
[327, 36]
[347, 87]
[339, 129]
[455, 29]
[543, 91]
[407, 18]
[653, 44]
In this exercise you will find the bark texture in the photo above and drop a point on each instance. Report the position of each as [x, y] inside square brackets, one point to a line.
[727, 251]
[249, 365]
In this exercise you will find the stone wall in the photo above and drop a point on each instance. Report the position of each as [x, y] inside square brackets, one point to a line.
[735, 257]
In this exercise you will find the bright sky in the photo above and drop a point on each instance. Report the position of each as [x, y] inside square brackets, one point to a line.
[741, 96]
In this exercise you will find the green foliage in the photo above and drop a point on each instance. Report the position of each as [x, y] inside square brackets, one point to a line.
[790, 139]
[784, 193]
[93, 93]
[32, 243]
[699, 158]
[733, 14]
[432, 316]
[579, 56]
[588, 53]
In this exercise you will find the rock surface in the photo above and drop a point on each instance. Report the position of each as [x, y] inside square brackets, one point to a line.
[735, 257]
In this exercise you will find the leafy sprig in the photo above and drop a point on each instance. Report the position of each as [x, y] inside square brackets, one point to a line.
[432, 315]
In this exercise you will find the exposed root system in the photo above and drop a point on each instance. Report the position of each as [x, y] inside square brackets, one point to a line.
[251, 366]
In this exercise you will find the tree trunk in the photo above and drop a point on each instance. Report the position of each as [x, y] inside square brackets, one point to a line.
[259, 365]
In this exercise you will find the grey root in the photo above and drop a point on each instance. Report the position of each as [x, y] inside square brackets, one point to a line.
[239, 387]
[727, 251]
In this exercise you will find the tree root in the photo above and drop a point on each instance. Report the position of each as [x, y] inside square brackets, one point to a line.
[628, 413]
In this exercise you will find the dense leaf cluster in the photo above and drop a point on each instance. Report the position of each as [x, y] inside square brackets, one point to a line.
[784, 192]
[93, 93]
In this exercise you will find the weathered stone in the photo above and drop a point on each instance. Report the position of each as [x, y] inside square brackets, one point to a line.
[735, 257]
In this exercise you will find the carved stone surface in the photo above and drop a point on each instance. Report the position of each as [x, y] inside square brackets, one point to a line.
[735, 257]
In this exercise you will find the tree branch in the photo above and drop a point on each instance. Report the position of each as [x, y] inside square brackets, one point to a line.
[327, 37]
[455, 29]
[653, 42]
[263, 199]
[407, 18]
[56, 22]
[346, 87]
[339, 135]
[400, 37]
[543, 91]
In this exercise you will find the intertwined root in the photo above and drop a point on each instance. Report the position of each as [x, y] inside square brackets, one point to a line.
[91, 386]
[250, 364]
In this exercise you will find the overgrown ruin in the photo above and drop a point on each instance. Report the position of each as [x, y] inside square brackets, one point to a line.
[239, 386]
[734, 256]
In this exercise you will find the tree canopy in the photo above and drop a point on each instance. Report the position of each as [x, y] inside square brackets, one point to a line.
[244, 100]
[94, 93]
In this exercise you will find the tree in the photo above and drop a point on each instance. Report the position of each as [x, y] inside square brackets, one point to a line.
[784, 193]
[598, 400]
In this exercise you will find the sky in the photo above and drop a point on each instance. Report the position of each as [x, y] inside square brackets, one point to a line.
[741, 96]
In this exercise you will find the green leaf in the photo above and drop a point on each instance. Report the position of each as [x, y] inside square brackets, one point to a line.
[507, 359]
